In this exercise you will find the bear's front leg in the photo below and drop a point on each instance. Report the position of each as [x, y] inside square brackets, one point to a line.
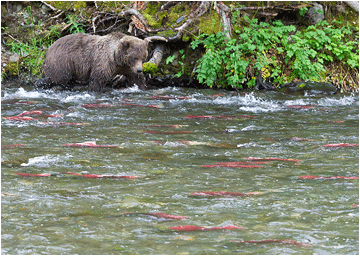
[44, 83]
[137, 79]
[96, 86]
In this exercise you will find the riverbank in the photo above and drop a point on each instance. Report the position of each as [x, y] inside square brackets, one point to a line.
[284, 44]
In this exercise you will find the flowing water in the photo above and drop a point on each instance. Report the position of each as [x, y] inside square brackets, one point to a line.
[178, 141]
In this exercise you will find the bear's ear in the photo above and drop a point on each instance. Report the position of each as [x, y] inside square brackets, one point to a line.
[124, 45]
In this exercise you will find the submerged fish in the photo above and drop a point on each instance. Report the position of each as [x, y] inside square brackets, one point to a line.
[25, 102]
[63, 123]
[223, 193]
[96, 105]
[95, 176]
[299, 107]
[216, 95]
[166, 216]
[12, 146]
[32, 175]
[333, 121]
[139, 105]
[232, 166]
[158, 132]
[55, 115]
[197, 228]
[20, 118]
[169, 98]
[88, 144]
[271, 159]
[38, 112]
[267, 241]
[340, 145]
[213, 117]
[310, 177]
[239, 163]
[33, 112]
[171, 126]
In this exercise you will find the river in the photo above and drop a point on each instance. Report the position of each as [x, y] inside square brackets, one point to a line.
[285, 169]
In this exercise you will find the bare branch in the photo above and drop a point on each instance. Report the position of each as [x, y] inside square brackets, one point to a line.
[50, 6]
[139, 16]
[223, 10]
[201, 10]
[93, 22]
[169, 4]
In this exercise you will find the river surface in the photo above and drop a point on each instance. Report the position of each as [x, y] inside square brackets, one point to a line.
[178, 142]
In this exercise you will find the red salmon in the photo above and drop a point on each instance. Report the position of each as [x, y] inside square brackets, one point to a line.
[12, 146]
[94, 176]
[32, 175]
[299, 107]
[33, 112]
[271, 159]
[310, 177]
[340, 145]
[62, 123]
[232, 166]
[266, 241]
[166, 216]
[169, 98]
[88, 144]
[20, 118]
[96, 105]
[223, 193]
[197, 228]
[157, 132]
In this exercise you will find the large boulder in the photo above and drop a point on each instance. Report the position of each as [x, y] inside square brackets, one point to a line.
[309, 87]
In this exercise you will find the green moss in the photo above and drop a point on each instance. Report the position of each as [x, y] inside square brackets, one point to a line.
[12, 69]
[176, 12]
[210, 23]
[149, 67]
[151, 21]
[62, 5]
[78, 5]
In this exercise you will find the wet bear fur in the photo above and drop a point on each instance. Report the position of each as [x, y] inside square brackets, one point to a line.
[94, 60]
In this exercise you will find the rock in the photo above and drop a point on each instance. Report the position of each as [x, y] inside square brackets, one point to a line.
[353, 4]
[180, 19]
[309, 87]
[315, 14]
[14, 58]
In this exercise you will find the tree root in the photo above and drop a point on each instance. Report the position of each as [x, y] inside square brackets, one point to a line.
[224, 12]
[201, 10]
[158, 54]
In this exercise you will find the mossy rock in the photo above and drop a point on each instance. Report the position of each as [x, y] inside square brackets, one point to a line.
[309, 87]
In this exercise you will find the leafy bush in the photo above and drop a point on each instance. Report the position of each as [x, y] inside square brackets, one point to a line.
[263, 47]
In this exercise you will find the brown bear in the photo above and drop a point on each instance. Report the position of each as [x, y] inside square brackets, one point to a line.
[94, 60]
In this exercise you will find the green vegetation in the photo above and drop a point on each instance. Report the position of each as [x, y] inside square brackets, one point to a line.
[31, 54]
[171, 59]
[269, 48]
[75, 27]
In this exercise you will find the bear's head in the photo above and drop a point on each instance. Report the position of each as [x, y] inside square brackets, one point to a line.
[132, 52]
